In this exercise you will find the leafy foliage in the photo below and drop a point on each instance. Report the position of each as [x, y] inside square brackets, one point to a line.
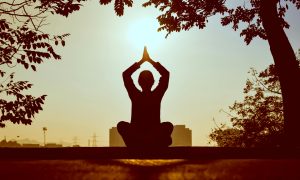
[118, 5]
[184, 14]
[61, 7]
[180, 15]
[258, 120]
[25, 46]
[23, 108]
[22, 42]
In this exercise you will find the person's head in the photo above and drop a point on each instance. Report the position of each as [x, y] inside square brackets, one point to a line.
[146, 80]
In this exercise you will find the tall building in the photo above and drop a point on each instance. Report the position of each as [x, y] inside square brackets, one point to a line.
[115, 138]
[181, 136]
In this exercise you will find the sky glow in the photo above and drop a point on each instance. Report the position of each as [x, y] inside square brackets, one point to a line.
[208, 70]
[143, 32]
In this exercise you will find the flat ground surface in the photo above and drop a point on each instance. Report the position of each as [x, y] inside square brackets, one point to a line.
[253, 169]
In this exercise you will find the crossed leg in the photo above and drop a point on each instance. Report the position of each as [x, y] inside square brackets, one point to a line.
[133, 136]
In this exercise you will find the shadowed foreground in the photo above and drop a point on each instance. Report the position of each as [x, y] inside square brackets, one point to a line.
[150, 163]
[150, 169]
[201, 153]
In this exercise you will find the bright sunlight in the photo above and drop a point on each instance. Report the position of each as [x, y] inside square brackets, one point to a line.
[143, 32]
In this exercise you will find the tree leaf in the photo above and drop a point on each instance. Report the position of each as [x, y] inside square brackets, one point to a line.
[104, 2]
[33, 67]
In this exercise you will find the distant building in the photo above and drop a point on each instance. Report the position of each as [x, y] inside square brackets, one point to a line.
[12, 143]
[115, 138]
[53, 145]
[31, 145]
[181, 136]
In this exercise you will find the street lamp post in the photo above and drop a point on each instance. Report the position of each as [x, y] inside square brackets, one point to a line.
[44, 129]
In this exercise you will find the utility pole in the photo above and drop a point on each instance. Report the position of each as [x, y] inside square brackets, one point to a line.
[75, 141]
[94, 140]
[45, 129]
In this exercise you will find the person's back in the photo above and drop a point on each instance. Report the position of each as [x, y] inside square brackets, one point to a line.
[146, 109]
[145, 124]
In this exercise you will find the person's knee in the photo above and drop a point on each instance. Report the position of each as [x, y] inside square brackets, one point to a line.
[169, 141]
[167, 127]
[122, 126]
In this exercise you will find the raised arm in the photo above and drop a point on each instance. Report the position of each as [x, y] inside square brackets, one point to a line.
[128, 82]
[164, 79]
[160, 68]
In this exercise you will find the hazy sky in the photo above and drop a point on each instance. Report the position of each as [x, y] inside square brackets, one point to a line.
[85, 90]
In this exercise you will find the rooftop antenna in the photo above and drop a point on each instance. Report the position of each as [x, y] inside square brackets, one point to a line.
[145, 54]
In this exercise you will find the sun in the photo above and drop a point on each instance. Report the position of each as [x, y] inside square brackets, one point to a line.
[143, 32]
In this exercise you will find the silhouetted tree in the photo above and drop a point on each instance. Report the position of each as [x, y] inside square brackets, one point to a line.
[258, 120]
[12, 143]
[118, 5]
[256, 18]
[22, 42]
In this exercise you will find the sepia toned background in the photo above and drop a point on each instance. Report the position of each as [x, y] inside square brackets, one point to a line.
[85, 90]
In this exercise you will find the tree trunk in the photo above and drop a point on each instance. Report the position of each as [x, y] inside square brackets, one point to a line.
[287, 68]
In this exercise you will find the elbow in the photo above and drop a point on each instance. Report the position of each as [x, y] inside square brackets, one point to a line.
[167, 74]
[125, 74]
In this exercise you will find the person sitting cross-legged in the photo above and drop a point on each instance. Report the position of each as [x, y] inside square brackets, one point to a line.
[145, 128]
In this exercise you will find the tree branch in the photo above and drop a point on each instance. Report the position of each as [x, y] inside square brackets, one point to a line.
[262, 84]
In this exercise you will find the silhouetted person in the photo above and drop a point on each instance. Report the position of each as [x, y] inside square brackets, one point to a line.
[146, 128]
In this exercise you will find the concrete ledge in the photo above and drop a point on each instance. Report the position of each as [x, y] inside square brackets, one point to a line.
[149, 153]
